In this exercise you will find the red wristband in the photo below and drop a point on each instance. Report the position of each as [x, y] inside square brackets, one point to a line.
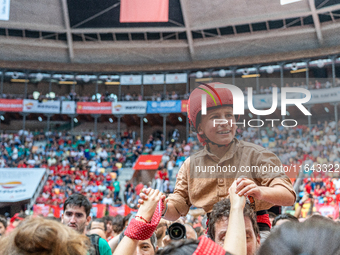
[140, 230]
[264, 219]
[143, 219]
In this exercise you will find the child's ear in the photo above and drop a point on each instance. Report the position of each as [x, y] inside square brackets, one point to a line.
[199, 129]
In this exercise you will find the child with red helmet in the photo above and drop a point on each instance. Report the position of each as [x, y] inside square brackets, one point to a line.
[251, 165]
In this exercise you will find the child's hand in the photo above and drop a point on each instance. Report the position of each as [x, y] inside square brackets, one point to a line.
[236, 200]
[147, 209]
[143, 196]
[247, 187]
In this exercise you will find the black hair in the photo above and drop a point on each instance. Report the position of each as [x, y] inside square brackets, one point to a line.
[101, 220]
[78, 200]
[153, 239]
[222, 209]
[181, 247]
[118, 224]
[284, 217]
[272, 215]
[3, 221]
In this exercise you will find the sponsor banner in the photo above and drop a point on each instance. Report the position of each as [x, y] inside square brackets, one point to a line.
[129, 107]
[153, 79]
[328, 210]
[46, 210]
[41, 107]
[170, 106]
[324, 95]
[68, 107]
[94, 107]
[144, 11]
[4, 9]
[148, 162]
[176, 78]
[18, 184]
[266, 101]
[121, 210]
[184, 105]
[11, 105]
[98, 210]
[130, 79]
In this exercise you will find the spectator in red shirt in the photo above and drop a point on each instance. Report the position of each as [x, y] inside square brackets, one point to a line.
[138, 188]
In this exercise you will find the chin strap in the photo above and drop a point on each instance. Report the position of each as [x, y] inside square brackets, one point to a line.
[204, 140]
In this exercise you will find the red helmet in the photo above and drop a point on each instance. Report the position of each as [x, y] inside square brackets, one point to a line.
[215, 97]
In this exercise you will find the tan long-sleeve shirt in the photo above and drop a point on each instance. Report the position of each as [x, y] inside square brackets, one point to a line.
[204, 179]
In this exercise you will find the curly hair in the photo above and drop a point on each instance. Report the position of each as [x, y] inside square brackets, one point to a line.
[39, 236]
[222, 209]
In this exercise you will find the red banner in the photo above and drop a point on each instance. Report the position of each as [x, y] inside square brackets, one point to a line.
[144, 11]
[94, 108]
[148, 162]
[11, 105]
[98, 210]
[184, 105]
[45, 210]
[328, 210]
[121, 210]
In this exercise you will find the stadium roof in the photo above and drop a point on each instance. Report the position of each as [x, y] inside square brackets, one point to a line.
[89, 32]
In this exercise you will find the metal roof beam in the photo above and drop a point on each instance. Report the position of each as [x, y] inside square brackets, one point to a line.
[68, 30]
[187, 27]
[316, 21]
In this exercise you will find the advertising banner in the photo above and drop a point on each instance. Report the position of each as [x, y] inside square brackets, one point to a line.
[184, 105]
[328, 210]
[41, 107]
[130, 79]
[144, 11]
[121, 210]
[98, 210]
[68, 107]
[153, 79]
[176, 78]
[94, 108]
[18, 184]
[45, 210]
[170, 106]
[266, 101]
[148, 162]
[11, 105]
[4, 9]
[138, 107]
[324, 95]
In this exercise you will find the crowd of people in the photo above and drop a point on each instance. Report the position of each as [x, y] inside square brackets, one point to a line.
[233, 228]
[84, 171]
[137, 96]
[87, 164]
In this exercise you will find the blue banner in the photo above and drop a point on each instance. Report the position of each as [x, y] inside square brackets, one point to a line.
[169, 106]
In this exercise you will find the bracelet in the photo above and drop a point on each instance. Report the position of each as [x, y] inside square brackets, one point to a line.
[139, 230]
[143, 219]
[166, 209]
[301, 203]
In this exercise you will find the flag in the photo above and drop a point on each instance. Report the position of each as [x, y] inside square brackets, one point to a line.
[144, 11]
